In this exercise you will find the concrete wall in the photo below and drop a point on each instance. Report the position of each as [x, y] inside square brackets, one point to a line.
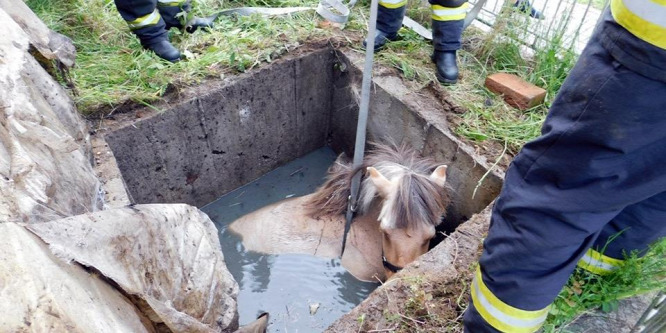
[209, 145]
[398, 114]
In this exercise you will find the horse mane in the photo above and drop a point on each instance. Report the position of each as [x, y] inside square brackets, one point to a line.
[331, 198]
[418, 199]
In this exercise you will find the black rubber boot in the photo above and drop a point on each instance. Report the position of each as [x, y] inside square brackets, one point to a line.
[447, 66]
[381, 39]
[389, 21]
[164, 50]
[446, 41]
[524, 6]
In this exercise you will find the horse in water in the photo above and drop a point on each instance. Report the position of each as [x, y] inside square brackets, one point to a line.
[402, 199]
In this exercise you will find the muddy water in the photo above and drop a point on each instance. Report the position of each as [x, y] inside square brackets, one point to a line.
[302, 293]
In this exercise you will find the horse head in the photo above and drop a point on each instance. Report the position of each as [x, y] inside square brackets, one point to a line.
[412, 204]
[400, 188]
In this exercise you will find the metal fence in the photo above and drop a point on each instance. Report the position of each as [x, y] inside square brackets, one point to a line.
[570, 21]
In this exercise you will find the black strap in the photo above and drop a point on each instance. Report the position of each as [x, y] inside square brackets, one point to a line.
[364, 106]
[391, 267]
[351, 206]
[349, 216]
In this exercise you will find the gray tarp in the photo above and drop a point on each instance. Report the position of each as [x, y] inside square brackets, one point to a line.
[168, 256]
[125, 270]
[45, 172]
[41, 293]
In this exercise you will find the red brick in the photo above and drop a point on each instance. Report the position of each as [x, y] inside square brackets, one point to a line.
[516, 91]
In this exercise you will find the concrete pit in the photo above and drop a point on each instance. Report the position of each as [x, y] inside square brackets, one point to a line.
[226, 134]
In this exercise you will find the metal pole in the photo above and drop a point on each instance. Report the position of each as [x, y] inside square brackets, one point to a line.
[359, 148]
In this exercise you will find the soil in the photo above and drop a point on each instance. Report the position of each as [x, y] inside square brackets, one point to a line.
[429, 295]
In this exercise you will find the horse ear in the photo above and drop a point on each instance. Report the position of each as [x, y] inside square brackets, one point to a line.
[383, 185]
[439, 175]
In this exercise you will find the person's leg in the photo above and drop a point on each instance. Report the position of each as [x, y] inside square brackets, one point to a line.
[634, 229]
[147, 24]
[524, 6]
[389, 20]
[169, 9]
[602, 144]
[448, 18]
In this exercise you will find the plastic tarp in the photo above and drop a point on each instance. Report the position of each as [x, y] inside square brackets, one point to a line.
[45, 172]
[167, 256]
[41, 293]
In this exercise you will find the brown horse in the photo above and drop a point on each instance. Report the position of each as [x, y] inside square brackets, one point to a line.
[402, 199]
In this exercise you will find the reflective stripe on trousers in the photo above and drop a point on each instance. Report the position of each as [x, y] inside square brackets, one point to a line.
[645, 19]
[392, 3]
[171, 3]
[597, 263]
[144, 21]
[440, 13]
[503, 316]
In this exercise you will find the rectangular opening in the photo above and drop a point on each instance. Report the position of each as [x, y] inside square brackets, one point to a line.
[206, 146]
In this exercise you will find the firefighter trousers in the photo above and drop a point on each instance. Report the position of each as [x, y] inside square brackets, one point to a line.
[589, 190]
[448, 18]
[150, 19]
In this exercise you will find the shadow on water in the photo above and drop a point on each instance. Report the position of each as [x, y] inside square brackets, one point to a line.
[287, 286]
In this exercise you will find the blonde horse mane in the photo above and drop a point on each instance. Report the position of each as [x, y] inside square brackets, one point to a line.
[417, 200]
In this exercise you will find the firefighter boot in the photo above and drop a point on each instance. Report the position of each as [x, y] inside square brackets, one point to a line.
[447, 66]
[389, 20]
[146, 22]
[446, 41]
[163, 49]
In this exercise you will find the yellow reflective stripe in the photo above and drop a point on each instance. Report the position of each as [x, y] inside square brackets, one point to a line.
[440, 13]
[144, 21]
[170, 3]
[392, 4]
[645, 19]
[598, 263]
[502, 316]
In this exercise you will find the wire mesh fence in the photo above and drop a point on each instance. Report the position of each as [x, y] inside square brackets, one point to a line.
[570, 21]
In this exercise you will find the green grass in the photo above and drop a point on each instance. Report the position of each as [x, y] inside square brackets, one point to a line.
[112, 67]
[586, 291]
[488, 118]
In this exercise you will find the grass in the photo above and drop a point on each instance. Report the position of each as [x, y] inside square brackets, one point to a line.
[502, 50]
[112, 67]
[429, 307]
[487, 117]
[586, 291]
